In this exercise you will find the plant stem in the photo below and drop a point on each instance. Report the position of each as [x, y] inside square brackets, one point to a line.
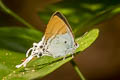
[77, 70]
[10, 12]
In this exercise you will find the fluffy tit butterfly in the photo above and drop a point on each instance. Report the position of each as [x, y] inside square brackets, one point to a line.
[58, 40]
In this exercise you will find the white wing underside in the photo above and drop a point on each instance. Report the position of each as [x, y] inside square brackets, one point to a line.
[61, 45]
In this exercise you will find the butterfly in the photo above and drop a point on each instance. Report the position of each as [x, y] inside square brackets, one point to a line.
[58, 40]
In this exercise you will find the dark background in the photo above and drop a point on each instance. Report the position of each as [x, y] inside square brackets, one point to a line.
[101, 61]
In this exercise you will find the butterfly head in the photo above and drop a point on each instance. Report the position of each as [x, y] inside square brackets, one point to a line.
[36, 50]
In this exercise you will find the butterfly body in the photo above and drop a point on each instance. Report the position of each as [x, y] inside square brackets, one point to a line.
[58, 40]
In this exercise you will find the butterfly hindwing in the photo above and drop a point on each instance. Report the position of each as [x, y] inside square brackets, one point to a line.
[60, 45]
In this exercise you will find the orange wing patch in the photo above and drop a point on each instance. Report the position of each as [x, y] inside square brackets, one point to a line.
[55, 26]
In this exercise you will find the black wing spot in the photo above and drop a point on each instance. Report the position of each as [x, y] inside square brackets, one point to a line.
[41, 46]
[46, 43]
[40, 54]
[43, 49]
[76, 44]
[65, 42]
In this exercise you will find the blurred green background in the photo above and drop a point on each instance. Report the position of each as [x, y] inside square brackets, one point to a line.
[101, 61]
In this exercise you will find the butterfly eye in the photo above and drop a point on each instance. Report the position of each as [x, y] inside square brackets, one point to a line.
[35, 45]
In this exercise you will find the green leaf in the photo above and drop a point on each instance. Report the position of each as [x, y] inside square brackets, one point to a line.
[38, 67]
[87, 39]
[13, 43]
[8, 60]
[18, 39]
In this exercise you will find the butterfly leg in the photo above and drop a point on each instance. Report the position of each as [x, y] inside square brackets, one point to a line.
[33, 54]
[38, 55]
[73, 51]
[72, 55]
[25, 62]
[64, 57]
[66, 52]
[70, 51]
[28, 52]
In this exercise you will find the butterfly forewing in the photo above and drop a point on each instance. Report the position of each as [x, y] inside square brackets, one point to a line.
[63, 40]
[56, 26]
